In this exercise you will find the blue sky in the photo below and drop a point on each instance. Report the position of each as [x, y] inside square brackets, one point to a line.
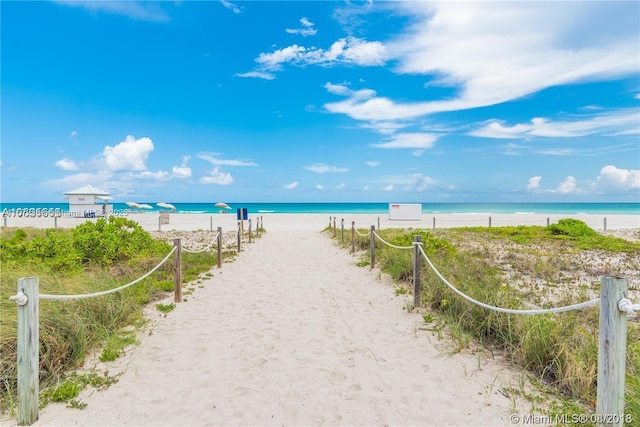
[197, 101]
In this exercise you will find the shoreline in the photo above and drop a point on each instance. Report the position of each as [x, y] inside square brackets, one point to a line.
[318, 221]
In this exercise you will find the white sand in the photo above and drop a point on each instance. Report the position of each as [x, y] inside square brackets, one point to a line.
[294, 333]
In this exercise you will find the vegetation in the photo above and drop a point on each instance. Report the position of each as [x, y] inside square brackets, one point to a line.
[92, 257]
[522, 267]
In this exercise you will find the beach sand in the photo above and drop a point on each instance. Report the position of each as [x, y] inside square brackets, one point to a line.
[293, 333]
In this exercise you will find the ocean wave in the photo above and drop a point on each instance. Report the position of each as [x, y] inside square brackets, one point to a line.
[265, 211]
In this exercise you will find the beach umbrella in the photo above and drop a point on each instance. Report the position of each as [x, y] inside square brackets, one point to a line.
[166, 206]
[134, 205]
[222, 205]
[145, 206]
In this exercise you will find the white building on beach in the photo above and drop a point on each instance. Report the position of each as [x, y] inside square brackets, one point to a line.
[89, 201]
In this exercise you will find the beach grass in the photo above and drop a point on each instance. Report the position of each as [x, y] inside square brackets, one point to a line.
[89, 258]
[520, 268]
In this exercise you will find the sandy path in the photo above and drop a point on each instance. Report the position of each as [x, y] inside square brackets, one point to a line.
[293, 333]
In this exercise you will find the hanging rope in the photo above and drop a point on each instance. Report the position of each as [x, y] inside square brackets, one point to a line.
[389, 244]
[507, 310]
[98, 294]
[206, 248]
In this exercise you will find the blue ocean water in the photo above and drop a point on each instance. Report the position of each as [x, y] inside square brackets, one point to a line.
[373, 208]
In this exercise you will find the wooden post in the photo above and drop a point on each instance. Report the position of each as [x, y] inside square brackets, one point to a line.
[378, 223]
[28, 352]
[329, 221]
[334, 226]
[353, 236]
[611, 352]
[219, 244]
[177, 272]
[547, 221]
[249, 230]
[4, 220]
[55, 222]
[342, 230]
[372, 246]
[211, 223]
[239, 236]
[605, 223]
[159, 223]
[417, 283]
[434, 222]
[489, 222]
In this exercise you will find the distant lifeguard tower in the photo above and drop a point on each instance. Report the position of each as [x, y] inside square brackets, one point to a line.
[89, 202]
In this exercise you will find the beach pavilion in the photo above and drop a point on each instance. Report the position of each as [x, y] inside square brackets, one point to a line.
[89, 201]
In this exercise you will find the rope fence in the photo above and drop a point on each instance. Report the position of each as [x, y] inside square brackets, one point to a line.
[614, 309]
[27, 298]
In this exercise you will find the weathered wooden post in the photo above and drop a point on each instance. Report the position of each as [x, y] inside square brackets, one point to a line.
[417, 262]
[28, 350]
[434, 223]
[329, 221]
[372, 246]
[211, 223]
[159, 223]
[219, 244]
[249, 230]
[177, 272]
[55, 222]
[489, 222]
[612, 345]
[4, 220]
[353, 236]
[239, 236]
[605, 223]
[334, 227]
[547, 221]
[378, 223]
[342, 230]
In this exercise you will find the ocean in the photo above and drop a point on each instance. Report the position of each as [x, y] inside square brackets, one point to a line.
[367, 208]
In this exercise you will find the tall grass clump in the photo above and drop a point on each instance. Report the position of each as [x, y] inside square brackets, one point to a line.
[92, 257]
[560, 349]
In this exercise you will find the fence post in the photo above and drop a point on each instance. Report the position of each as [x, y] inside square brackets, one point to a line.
[219, 244]
[353, 236]
[55, 222]
[334, 226]
[372, 246]
[239, 236]
[342, 230]
[605, 223]
[489, 222]
[249, 230]
[547, 221]
[378, 223]
[4, 220]
[434, 222]
[28, 352]
[612, 344]
[417, 261]
[177, 272]
[159, 223]
[211, 223]
[329, 221]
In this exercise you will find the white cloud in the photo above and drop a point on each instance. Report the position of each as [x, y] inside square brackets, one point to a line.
[409, 140]
[319, 187]
[230, 6]
[257, 75]
[422, 183]
[129, 154]
[159, 175]
[73, 134]
[307, 29]
[388, 187]
[291, 186]
[612, 179]
[182, 171]
[350, 50]
[322, 168]
[217, 177]
[534, 183]
[136, 10]
[340, 187]
[621, 121]
[221, 162]
[493, 52]
[373, 163]
[568, 186]
[67, 165]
